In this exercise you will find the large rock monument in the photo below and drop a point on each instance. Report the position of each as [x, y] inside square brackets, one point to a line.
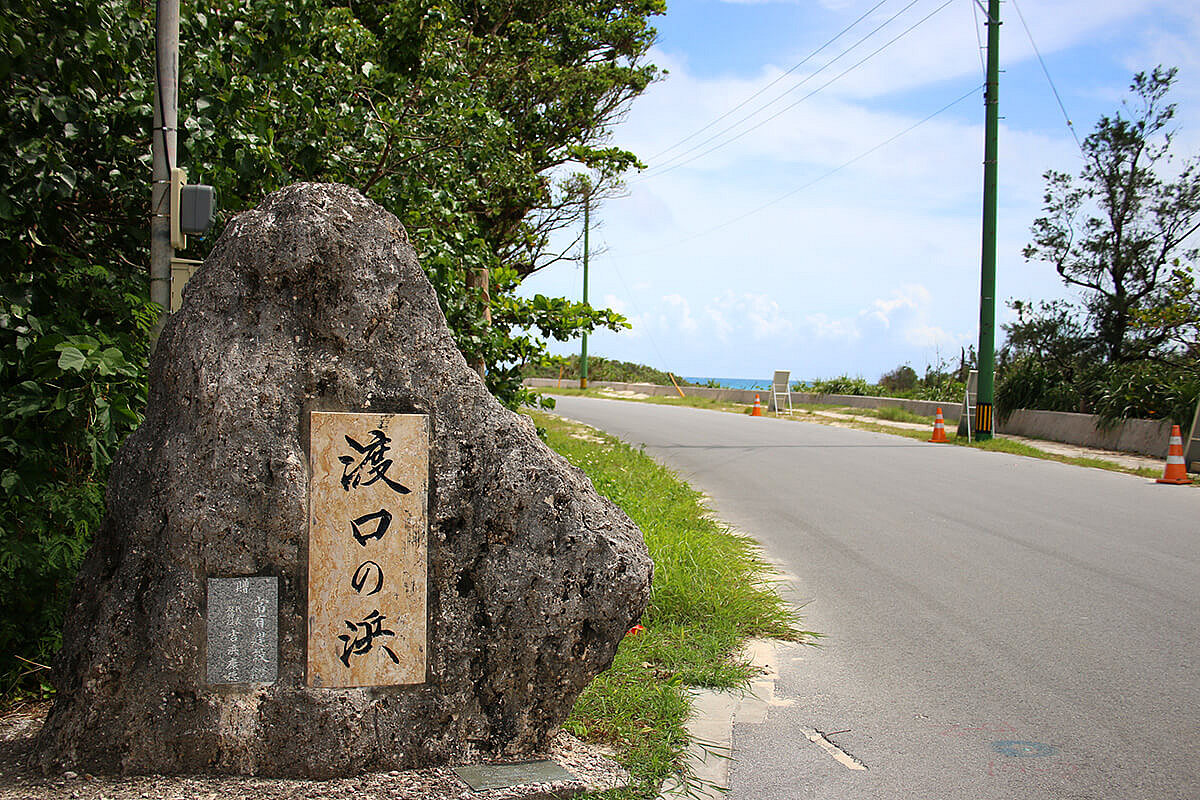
[328, 549]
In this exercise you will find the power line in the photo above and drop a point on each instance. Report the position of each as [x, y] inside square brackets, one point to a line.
[795, 67]
[637, 309]
[658, 170]
[790, 106]
[978, 39]
[1046, 72]
[835, 170]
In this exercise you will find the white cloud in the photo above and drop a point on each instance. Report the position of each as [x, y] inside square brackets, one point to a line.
[908, 298]
[679, 313]
[616, 304]
[821, 326]
[901, 317]
[877, 264]
[757, 316]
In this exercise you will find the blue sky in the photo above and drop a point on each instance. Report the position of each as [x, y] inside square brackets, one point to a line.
[876, 264]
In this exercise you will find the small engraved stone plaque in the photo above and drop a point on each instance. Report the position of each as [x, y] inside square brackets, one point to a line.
[366, 549]
[483, 777]
[243, 630]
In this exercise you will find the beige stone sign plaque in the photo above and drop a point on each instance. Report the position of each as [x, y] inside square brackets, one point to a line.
[366, 549]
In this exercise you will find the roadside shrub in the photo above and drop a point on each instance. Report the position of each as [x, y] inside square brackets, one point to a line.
[1027, 383]
[603, 369]
[1148, 391]
[72, 394]
[936, 385]
[902, 379]
[843, 384]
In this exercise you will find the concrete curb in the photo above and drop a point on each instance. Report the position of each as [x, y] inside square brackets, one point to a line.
[710, 727]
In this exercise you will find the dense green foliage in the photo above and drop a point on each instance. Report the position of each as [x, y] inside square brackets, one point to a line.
[1121, 234]
[600, 369]
[940, 382]
[73, 310]
[479, 123]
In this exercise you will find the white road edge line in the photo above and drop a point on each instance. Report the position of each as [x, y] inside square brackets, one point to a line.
[841, 756]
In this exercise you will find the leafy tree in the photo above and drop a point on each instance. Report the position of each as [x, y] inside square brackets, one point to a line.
[480, 124]
[473, 120]
[1116, 230]
[1177, 320]
[74, 316]
[1121, 233]
[601, 369]
[902, 379]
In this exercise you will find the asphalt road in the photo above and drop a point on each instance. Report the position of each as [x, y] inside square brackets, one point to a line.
[995, 626]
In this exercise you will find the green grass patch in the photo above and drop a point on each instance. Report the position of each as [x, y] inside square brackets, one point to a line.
[712, 591]
[898, 414]
[1001, 445]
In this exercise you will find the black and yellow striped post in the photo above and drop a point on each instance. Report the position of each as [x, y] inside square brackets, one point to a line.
[983, 422]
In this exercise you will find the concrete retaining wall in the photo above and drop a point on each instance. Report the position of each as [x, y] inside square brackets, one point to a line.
[1144, 436]
[1148, 437]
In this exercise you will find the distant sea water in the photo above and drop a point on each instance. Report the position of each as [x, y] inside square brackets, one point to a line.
[733, 383]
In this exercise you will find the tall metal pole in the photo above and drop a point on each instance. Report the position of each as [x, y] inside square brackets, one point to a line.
[984, 422]
[163, 153]
[587, 208]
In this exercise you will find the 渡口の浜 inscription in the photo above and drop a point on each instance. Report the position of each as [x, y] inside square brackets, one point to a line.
[243, 630]
[366, 549]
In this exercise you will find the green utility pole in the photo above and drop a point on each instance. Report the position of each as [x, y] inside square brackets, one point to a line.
[984, 423]
[587, 207]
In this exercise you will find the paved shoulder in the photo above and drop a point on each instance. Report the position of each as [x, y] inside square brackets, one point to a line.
[997, 626]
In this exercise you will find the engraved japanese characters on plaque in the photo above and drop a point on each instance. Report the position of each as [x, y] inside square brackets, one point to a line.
[243, 630]
[367, 549]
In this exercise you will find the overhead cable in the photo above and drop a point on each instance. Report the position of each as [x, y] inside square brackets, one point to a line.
[667, 165]
[1049, 80]
[818, 179]
[790, 106]
[792, 69]
[978, 38]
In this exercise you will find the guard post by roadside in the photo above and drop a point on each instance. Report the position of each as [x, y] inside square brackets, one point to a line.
[1191, 453]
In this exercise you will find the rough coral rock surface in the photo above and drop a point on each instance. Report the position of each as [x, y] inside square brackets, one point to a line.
[315, 301]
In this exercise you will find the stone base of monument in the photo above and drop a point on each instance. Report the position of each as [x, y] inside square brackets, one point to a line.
[567, 767]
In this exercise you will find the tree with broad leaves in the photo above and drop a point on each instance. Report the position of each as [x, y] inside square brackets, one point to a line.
[471, 120]
[1120, 230]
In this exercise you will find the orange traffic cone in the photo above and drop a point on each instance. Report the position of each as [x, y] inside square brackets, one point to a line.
[1175, 472]
[939, 428]
[757, 412]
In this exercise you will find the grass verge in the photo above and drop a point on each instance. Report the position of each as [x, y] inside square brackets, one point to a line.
[895, 414]
[1000, 445]
[711, 592]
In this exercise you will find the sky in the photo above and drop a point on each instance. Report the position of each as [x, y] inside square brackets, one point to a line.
[842, 236]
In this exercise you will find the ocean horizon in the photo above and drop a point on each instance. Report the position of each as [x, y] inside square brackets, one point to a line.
[733, 383]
